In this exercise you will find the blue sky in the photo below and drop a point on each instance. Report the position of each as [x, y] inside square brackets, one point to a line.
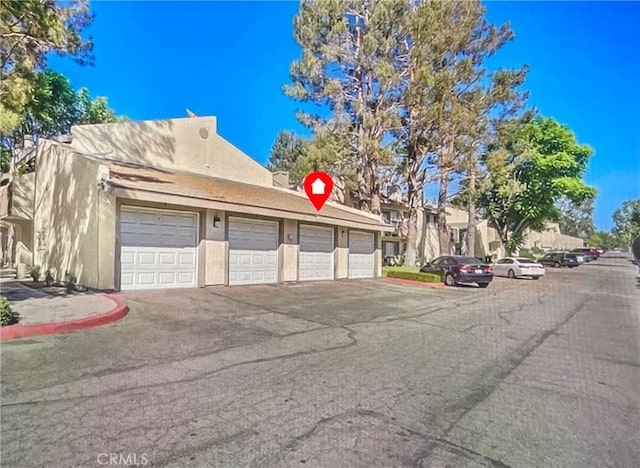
[230, 59]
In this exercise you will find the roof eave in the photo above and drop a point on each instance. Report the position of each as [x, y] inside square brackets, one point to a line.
[142, 194]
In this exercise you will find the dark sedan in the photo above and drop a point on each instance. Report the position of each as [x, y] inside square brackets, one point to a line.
[561, 259]
[457, 269]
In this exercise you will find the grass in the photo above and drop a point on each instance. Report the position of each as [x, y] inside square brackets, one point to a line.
[409, 273]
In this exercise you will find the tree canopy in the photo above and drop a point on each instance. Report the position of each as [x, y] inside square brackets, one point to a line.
[626, 221]
[529, 170]
[29, 31]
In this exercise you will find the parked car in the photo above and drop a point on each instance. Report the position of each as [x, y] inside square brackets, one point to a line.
[458, 269]
[518, 267]
[588, 253]
[561, 259]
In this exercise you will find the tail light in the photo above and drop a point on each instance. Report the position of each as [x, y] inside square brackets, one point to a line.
[489, 269]
[524, 266]
[464, 268]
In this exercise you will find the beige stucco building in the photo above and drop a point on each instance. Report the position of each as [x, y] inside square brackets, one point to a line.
[394, 243]
[551, 239]
[170, 203]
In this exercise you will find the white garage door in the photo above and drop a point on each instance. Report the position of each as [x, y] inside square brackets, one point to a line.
[157, 249]
[252, 251]
[316, 253]
[361, 251]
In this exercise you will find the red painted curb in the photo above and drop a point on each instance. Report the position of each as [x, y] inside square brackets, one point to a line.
[414, 283]
[22, 331]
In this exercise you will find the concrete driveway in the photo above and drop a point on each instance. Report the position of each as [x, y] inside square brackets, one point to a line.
[361, 373]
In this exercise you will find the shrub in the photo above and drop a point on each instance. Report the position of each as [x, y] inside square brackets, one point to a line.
[34, 272]
[70, 281]
[410, 274]
[528, 254]
[6, 314]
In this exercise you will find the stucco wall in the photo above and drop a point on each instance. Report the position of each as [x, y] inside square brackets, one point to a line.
[74, 221]
[341, 254]
[22, 191]
[289, 251]
[189, 145]
[551, 239]
[214, 250]
[23, 242]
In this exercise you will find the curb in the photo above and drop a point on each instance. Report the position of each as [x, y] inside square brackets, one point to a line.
[414, 283]
[37, 329]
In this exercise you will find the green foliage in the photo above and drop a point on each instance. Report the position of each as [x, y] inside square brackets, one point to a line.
[70, 281]
[48, 278]
[5, 160]
[410, 274]
[576, 218]
[34, 272]
[94, 110]
[528, 253]
[287, 149]
[7, 317]
[626, 221]
[51, 108]
[530, 168]
[347, 69]
[29, 31]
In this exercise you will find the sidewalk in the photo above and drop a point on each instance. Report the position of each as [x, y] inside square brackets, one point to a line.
[41, 313]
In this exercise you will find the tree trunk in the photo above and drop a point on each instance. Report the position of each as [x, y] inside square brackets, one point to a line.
[471, 212]
[412, 228]
[443, 231]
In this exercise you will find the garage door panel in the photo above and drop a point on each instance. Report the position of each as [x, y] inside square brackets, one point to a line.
[186, 258]
[252, 251]
[316, 253]
[158, 249]
[145, 278]
[361, 254]
[166, 278]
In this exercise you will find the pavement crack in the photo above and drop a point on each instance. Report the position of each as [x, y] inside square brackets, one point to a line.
[495, 374]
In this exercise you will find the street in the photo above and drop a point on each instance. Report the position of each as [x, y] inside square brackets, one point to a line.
[353, 374]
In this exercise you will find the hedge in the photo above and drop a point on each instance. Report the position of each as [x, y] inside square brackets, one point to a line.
[413, 275]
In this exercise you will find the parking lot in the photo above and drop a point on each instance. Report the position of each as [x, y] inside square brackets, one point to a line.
[349, 373]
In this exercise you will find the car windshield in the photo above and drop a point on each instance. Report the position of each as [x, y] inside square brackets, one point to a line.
[467, 260]
[571, 255]
[526, 260]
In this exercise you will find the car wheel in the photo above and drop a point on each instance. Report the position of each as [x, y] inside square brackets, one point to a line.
[449, 280]
[536, 277]
[511, 274]
[483, 285]
[556, 264]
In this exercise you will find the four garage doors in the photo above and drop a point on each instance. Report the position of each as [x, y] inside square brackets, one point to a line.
[316, 253]
[361, 254]
[253, 246]
[157, 249]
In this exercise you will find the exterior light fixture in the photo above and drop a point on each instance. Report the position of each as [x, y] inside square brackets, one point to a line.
[216, 220]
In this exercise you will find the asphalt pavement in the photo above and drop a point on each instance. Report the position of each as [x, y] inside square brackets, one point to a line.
[341, 374]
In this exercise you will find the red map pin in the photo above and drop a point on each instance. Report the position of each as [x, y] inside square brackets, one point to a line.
[318, 187]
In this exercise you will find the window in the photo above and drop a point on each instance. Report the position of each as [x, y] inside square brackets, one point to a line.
[391, 216]
[391, 249]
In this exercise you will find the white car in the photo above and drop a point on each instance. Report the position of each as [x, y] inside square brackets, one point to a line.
[518, 267]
